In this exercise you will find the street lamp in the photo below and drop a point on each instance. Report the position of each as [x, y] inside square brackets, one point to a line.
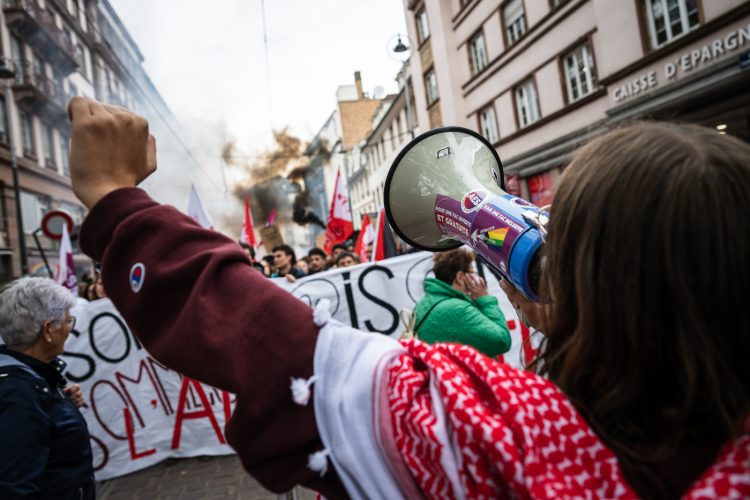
[8, 71]
[403, 53]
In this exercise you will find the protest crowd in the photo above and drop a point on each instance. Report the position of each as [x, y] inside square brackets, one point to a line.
[640, 386]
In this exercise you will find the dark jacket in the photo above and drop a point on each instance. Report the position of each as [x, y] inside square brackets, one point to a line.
[454, 317]
[45, 450]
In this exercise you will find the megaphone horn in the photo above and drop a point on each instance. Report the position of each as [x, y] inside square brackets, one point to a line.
[446, 188]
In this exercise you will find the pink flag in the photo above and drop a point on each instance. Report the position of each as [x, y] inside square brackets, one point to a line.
[340, 225]
[248, 228]
[66, 271]
[271, 217]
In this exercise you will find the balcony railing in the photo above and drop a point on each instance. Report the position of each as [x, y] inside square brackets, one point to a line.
[38, 28]
[38, 92]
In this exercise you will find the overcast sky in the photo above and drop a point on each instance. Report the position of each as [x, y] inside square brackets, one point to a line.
[207, 58]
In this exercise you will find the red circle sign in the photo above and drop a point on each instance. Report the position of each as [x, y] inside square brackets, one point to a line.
[52, 223]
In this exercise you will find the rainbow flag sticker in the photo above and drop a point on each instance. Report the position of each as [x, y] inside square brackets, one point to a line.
[496, 237]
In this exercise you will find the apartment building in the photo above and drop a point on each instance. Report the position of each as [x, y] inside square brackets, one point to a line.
[538, 78]
[57, 49]
[393, 125]
[48, 47]
[338, 146]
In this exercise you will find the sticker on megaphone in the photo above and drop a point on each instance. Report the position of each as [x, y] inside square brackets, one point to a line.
[501, 229]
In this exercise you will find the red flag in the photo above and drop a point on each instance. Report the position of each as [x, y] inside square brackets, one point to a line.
[248, 228]
[271, 218]
[340, 225]
[366, 237]
[378, 248]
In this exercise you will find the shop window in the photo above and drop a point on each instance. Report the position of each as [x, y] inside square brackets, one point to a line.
[670, 19]
[540, 189]
[514, 20]
[488, 124]
[430, 81]
[580, 78]
[48, 146]
[423, 28]
[526, 103]
[513, 184]
[477, 54]
[27, 134]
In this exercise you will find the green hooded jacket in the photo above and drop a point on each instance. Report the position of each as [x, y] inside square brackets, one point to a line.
[456, 318]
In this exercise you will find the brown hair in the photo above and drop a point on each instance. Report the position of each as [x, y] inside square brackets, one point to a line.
[647, 271]
[447, 265]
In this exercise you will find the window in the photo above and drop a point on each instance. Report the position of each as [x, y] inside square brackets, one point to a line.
[514, 20]
[80, 58]
[540, 189]
[579, 72]
[48, 145]
[477, 54]
[33, 207]
[430, 81]
[27, 134]
[65, 150]
[670, 19]
[3, 121]
[423, 29]
[16, 49]
[526, 103]
[488, 124]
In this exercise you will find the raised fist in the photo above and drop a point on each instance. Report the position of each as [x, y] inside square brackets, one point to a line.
[111, 148]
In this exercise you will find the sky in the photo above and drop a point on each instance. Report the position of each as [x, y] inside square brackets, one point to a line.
[208, 61]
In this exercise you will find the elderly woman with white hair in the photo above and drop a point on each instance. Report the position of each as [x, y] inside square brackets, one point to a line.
[44, 444]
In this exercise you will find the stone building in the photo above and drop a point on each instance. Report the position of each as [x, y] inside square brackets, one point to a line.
[540, 77]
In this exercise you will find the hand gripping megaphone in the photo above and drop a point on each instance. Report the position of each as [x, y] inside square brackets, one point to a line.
[446, 188]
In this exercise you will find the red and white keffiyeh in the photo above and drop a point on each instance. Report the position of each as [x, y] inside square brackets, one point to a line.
[410, 420]
[514, 434]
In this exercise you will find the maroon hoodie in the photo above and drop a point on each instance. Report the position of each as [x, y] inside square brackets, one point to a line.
[204, 311]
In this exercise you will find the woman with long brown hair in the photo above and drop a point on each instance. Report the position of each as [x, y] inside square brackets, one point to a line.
[645, 387]
[647, 264]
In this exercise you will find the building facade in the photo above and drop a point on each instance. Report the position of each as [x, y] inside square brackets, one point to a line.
[58, 49]
[538, 78]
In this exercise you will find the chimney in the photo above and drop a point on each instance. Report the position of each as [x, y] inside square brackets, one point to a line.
[358, 83]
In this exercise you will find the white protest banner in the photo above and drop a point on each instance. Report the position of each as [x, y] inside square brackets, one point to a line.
[370, 296]
[139, 412]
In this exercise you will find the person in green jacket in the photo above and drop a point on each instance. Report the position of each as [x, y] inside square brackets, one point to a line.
[457, 307]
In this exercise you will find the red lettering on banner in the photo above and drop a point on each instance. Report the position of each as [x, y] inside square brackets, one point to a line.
[182, 414]
[227, 403]
[134, 455]
[121, 379]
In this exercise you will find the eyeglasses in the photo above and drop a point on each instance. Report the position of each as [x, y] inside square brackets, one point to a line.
[71, 320]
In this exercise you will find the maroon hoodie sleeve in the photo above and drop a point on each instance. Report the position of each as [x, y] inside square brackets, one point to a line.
[202, 310]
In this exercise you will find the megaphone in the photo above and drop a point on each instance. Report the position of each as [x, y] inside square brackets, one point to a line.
[446, 188]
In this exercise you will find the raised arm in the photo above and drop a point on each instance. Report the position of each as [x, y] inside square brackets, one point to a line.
[191, 297]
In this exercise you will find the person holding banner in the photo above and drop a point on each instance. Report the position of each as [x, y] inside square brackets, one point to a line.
[647, 388]
[44, 441]
[456, 307]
